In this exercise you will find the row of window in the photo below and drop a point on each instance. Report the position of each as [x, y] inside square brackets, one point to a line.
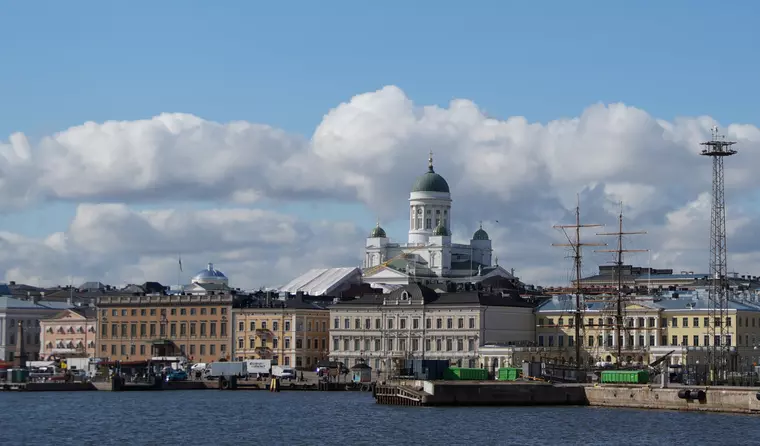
[143, 348]
[276, 344]
[650, 322]
[402, 344]
[606, 341]
[276, 326]
[29, 337]
[149, 329]
[402, 323]
[173, 311]
[29, 323]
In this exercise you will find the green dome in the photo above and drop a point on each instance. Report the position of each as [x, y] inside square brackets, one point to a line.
[430, 181]
[480, 234]
[377, 232]
[440, 230]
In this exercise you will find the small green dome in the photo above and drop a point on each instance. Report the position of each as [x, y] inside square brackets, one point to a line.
[440, 230]
[480, 234]
[430, 181]
[377, 232]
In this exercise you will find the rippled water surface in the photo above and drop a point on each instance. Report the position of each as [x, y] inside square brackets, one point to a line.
[344, 418]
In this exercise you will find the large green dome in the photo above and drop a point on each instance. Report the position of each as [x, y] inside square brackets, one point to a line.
[430, 181]
[377, 232]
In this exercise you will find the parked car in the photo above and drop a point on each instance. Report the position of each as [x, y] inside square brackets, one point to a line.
[176, 375]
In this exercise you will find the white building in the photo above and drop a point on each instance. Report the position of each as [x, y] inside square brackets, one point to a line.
[415, 321]
[429, 254]
[29, 313]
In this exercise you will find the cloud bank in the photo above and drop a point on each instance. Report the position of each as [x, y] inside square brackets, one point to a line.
[367, 151]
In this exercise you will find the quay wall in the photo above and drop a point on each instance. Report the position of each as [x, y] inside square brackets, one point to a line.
[716, 399]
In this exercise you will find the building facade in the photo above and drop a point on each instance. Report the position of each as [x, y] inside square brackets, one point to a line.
[70, 333]
[652, 328]
[141, 327]
[415, 321]
[290, 332]
[429, 251]
[29, 312]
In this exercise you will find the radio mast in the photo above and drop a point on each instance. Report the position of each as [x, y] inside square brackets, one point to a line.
[717, 149]
[577, 246]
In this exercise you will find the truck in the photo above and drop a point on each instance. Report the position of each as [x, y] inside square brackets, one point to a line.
[284, 372]
[235, 368]
[259, 367]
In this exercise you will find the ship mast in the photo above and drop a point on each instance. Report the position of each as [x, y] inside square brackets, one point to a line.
[619, 273]
[576, 245]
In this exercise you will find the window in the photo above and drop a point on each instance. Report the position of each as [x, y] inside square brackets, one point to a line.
[378, 324]
[377, 345]
[287, 325]
[695, 323]
[287, 343]
[263, 325]
[182, 329]
[192, 349]
[728, 322]
[428, 323]
[706, 340]
[438, 344]
[415, 324]
[650, 322]
[674, 340]
[402, 323]
[449, 323]
[541, 341]
[173, 329]
[696, 340]
[346, 323]
[460, 345]
[132, 349]
[192, 328]
[460, 323]
[345, 344]
[415, 344]
[651, 340]
[367, 324]
[390, 324]
[203, 349]
[448, 345]
[241, 343]
[251, 342]
[590, 340]
[142, 349]
[402, 344]
[673, 322]
[439, 323]
[570, 341]
[551, 341]
[223, 330]
[336, 344]
[203, 311]
[472, 322]
[241, 326]
[212, 347]
[152, 330]
[299, 343]
[685, 322]
[684, 340]
[427, 344]
[663, 340]
[560, 341]
[213, 311]
[212, 329]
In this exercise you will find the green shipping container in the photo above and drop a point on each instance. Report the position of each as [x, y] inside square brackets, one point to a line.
[508, 374]
[625, 376]
[465, 374]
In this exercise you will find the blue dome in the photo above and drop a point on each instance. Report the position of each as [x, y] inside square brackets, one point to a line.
[209, 274]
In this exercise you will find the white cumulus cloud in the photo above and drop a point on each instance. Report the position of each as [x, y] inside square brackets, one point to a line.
[368, 151]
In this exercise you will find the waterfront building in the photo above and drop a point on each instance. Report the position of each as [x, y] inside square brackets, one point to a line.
[287, 330]
[653, 327]
[29, 312]
[429, 253]
[70, 333]
[416, 321]
[138, 327]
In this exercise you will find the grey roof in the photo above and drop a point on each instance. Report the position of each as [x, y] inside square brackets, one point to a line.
[7, 302]
[566, 302]
[431, 297]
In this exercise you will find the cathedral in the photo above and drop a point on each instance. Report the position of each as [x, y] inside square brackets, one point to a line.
[429, 254]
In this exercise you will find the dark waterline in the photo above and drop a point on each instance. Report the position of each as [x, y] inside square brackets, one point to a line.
[345, 418]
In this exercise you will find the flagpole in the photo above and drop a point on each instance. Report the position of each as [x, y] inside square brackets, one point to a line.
[179, 271]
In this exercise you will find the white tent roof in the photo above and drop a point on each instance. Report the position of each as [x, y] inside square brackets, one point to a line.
[322, 281]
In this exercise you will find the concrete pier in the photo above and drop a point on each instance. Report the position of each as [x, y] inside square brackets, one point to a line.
[489, 393]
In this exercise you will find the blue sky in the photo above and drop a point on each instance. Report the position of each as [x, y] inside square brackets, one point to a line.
[288, 63]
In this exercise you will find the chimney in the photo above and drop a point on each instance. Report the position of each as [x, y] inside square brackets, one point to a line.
[19, 358]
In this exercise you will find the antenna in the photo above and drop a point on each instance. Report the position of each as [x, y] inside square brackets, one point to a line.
[717, 149]
[578, 262]
[619, 271]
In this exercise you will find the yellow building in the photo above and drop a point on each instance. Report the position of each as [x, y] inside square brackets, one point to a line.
[289, 332]
[652, 327]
